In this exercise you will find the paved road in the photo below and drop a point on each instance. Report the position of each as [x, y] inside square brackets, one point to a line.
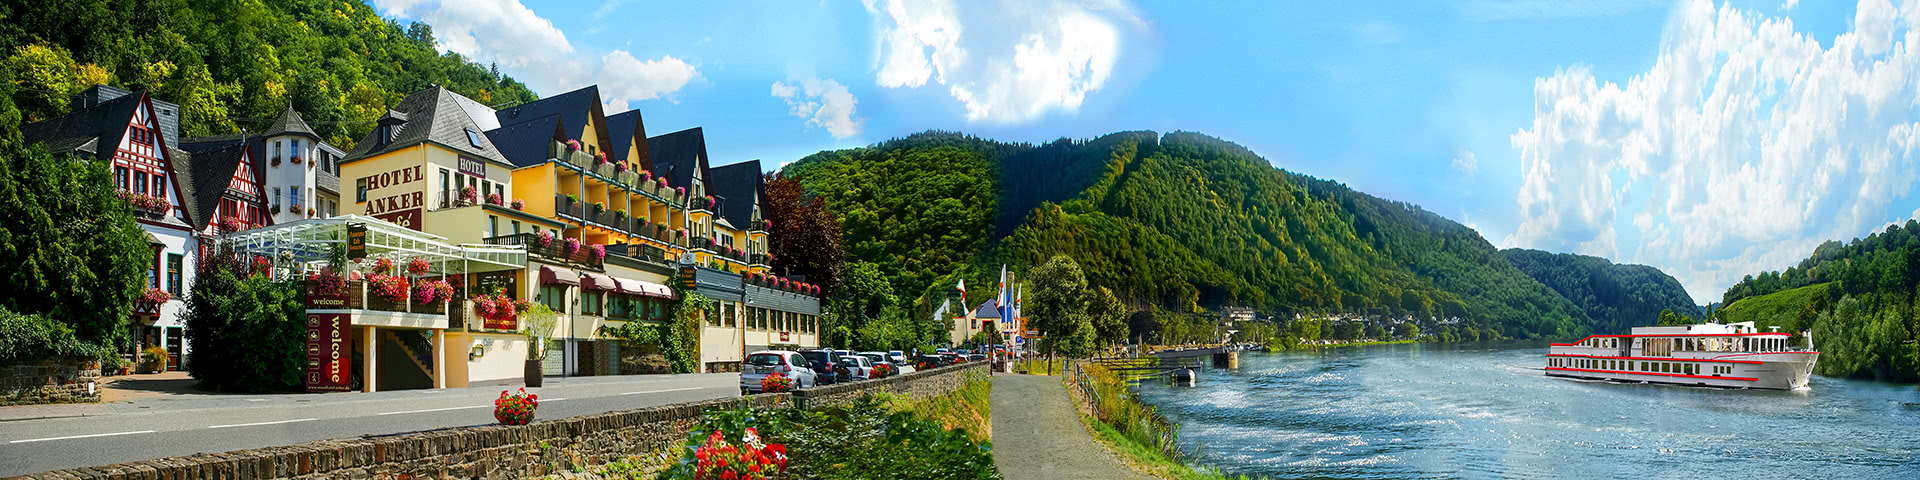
[188, 424]
[1038, 436]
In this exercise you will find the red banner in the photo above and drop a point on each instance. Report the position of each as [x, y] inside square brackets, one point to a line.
[329, 352]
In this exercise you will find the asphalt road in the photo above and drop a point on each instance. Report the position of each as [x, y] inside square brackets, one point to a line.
[189, 424]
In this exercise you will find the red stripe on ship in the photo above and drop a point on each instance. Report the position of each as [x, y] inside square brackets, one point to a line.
[1709, 377]
[1659, 359]
[1766, 353]
[1576, 344]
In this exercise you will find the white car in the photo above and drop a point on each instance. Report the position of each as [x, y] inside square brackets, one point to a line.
[760, 364]
[860, 367]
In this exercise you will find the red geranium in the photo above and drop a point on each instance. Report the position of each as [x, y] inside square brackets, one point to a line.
[515, 409]
[776, 383]
[418, 266]
[750, 459]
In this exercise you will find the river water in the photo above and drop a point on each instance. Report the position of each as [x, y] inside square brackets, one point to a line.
[1486, 411]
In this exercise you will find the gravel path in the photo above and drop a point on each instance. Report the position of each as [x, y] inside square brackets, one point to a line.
[1038, 436]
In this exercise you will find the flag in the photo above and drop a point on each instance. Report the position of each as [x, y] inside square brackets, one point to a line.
[1004, 304]
[962, 287]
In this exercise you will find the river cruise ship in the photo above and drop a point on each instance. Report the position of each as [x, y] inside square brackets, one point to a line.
[1730, 355]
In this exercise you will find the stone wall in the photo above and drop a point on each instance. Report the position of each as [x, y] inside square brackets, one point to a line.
[938, 381]
[58, 380]
[498, 451]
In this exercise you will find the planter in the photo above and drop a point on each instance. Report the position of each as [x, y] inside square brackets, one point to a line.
[533, 373]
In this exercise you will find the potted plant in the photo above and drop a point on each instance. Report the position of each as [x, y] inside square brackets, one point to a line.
[156, 296]
[519, 204]
[153, 359]
[515, 409]
[418, 266]
[310, 212]
[776, 383]
[546, 238]
[573, 145]
[466, 196]
[573, 245]
[382, 265]
[493, 198]
[599, 252]
[295, 159]
[572, 199]
[537, 325]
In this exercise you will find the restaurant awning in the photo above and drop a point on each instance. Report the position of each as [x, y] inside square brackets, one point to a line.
[597, 282]
[562, 276]
[647, 289]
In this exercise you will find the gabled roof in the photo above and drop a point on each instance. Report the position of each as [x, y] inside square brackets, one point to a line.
[739, 186]
[986, 310]
[290, 123]
[576, 109]
[93, 131]
[678, 155]
[256, 149]
[431, 115]
[211, 170]
[525, 143]
[625, 127]
[184, 183]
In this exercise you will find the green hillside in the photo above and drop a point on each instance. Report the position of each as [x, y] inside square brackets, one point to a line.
[1183, 221]
[1617, 297]
[1859, 299]
[1783, 309]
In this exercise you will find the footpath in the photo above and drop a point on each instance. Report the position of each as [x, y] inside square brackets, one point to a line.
[1037, 435]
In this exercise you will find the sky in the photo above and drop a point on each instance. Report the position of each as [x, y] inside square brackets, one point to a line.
[1709, 139]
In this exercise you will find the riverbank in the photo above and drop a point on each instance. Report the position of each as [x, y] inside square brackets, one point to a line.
[1360, 343]
[1132, 430]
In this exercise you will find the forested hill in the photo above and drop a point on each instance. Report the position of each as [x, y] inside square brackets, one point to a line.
[1617, 297]
[1861, 299]
[230, 65]
[1183, 221]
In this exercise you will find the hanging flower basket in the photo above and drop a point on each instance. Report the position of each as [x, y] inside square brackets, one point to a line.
[573, 146]
[573, 246]
[382, 266]
[418, 266]
[546, 239]
[493, 198]
[519, 204]
[599, 252]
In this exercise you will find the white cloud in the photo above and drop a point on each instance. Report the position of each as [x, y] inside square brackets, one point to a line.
[1376, 33]
[823, 103]
[1748, 141]
[1789, 4]
[1466, 163]
[537, 53]
[1006, 61]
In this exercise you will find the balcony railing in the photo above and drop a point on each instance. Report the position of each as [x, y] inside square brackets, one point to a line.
[760, 259]
[556, 250]
[569, 208]
[702, 203]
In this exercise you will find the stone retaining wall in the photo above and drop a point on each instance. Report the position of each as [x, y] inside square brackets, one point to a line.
[497, 451]
[58, 380]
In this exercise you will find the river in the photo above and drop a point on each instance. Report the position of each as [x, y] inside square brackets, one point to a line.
[1485, 411]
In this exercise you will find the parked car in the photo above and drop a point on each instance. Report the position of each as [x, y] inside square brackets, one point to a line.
[858, 367]
[899, 359]
[880, 358]
[976, 357]
[826, 366]
[760, 364]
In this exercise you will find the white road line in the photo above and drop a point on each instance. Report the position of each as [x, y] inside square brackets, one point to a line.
[70, 437]
[255, 424]
[434, 410]
[663, 391]
[545, 400]
[256, 399]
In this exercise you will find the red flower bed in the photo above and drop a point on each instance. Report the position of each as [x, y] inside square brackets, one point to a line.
[719, 460]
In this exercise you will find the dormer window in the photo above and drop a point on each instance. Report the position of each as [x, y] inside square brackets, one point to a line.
[473, 138]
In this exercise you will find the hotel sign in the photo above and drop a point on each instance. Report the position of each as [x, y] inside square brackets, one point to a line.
[329, 358]
[356, 241]
[473, 167]
[403, 208]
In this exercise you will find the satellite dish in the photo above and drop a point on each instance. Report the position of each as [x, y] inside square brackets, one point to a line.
[687, 258]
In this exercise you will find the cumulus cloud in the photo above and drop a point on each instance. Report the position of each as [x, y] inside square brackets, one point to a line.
[1747, 141]
[1005, 61]
[519, 40]
[1466, 163]
[823, 103]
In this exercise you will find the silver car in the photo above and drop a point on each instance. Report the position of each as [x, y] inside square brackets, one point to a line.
[760, 364]
[879, 358]
[860, 367]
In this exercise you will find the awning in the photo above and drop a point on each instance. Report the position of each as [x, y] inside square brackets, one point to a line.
[560, 276]
[649, 289]
[597, 282]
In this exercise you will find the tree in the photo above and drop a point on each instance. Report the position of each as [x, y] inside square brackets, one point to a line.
[805, 237]
[71, 248]
[1109, 317]
[1057, 304]
[1406, 330]
[248, 330]
[1376, 332]
[863, 297]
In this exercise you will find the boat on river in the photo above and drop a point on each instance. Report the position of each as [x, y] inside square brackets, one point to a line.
[1731, 355]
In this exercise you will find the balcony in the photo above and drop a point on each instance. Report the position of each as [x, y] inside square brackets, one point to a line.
[614, 220]
[760, 259]
[704, 203]
[555, 250]
[568, 207]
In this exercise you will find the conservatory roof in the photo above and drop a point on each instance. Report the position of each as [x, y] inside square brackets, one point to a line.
[311, 241]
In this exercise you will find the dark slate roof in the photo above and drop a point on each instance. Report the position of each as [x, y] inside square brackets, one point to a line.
[93, 131]
[290, 123]
[257, 154]
[432, 115]
[678, 154]
[986, 310]
[625, 127]
[525, 143]
[168, 113]
[184, 178]
[739, 186]
[575, 109]
[211, 170]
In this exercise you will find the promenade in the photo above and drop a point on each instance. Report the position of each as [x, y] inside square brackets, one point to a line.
[1037, 435]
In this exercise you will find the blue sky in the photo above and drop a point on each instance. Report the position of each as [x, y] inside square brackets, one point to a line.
[1641, 131]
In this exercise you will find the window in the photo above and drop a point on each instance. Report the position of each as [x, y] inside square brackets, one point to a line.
[160, 185]
[493, 225]
[296, 148]
[446, 188]
[174, 266]
[293, 197]
[590, 302]
[360, 190]
[473, 138]
[276, 197]
[726, 315]
[276, 151]
[554, 297]
[120, 177]
[153, 273]
[516, 228]
[140, 182]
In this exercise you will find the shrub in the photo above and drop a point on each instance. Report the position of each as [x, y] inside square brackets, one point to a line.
[28, 338]
[153, 359]
[248, 331]
[887, 443]
[69, 247]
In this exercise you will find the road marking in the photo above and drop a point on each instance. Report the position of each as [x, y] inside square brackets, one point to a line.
[256, 399]
[255, 424]
[663, 391]
[545, 400]
[70, 437]
[434, 410]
